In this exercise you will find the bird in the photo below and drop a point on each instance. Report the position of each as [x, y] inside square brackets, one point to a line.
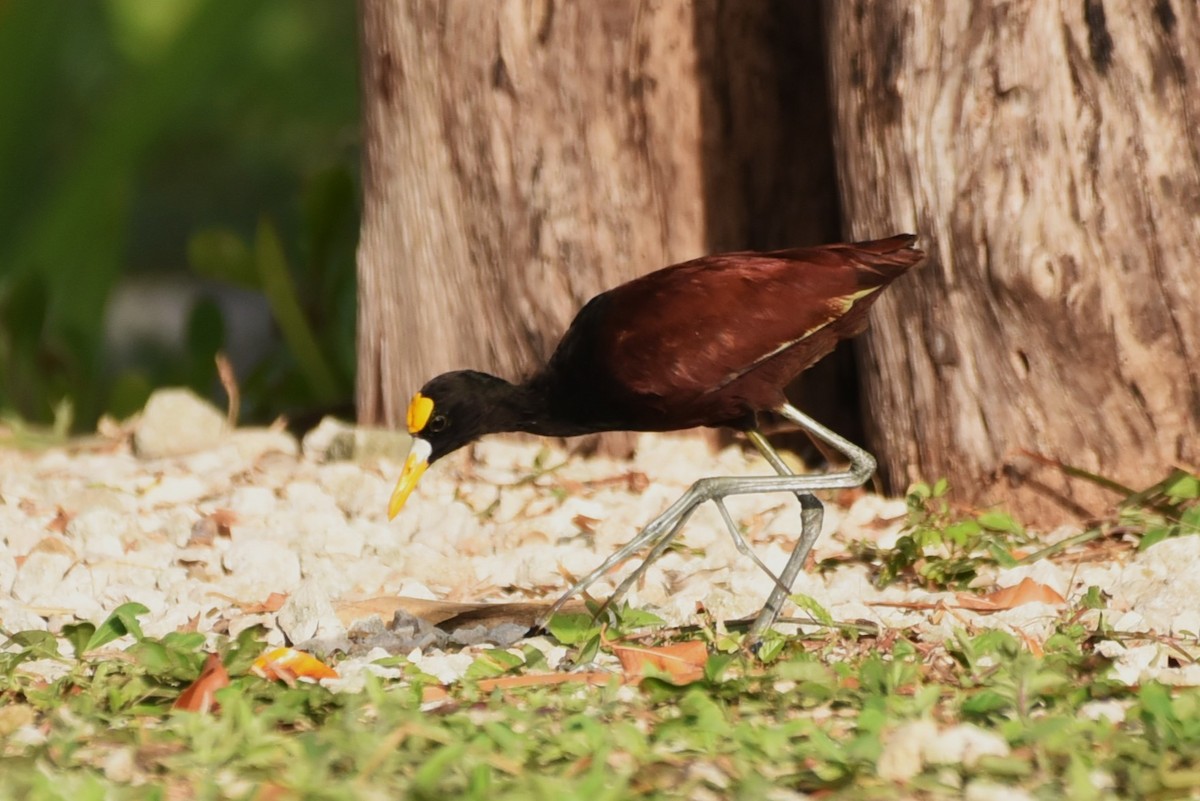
[710, 342]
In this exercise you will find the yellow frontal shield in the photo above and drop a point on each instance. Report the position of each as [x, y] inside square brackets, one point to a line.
[418, 413]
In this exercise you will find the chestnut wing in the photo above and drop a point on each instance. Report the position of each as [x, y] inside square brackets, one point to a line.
[694, 329]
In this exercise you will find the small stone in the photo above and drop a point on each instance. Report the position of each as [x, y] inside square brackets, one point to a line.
[177, 421]
[253, 501]
[41, 573]
[175, 491]
[17, 617]
[267, 564]
[903, 750]
[254, 443]
[357, 493]
[332, 440]
[120, 766]
[8, 572]
[308, 613]
[963, 744]
[100, 532]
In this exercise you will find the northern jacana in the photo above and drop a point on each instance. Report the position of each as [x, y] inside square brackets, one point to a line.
[709, 342]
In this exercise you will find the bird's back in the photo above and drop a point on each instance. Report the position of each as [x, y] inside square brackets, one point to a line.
[709, 341]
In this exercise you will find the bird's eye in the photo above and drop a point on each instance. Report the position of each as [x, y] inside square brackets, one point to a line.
[438, 423]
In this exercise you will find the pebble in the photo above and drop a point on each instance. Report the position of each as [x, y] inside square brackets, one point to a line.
[308, 613]
[262, 565]
[40, 576]
[177, 421]
[203, 536]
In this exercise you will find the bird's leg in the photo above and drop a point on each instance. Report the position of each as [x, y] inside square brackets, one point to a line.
[862, 465]
[738, 540]
[663, 529]
[660, 531]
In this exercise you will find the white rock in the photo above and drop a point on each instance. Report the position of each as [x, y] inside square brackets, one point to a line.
[100, 532]
[266, 564]
[40, 575]
[253, 501]
[903, 755]
[176, 490]
[16, 617]
[1111, 709]
[177, 421]
[254, 443]
[8, 572]
[21, 533]
[963, 744]
[120, 766]
[308, 613]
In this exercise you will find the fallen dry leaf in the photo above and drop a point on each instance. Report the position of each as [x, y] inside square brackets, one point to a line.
[59, 523]
[272, 603]
[200, 696]
[288, 665]
[683, 662]
[585, 524]
[447, 615]
[1027, 592]
[438, 692]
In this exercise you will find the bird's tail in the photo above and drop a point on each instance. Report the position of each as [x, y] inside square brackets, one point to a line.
[881, 261]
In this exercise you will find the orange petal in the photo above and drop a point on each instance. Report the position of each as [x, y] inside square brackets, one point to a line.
[288, 664]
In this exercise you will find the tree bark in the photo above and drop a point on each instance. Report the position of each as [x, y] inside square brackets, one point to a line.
[1049, 155]
[519, 158]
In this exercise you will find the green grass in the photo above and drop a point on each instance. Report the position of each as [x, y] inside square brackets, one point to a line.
[836, 713]
[817, 717]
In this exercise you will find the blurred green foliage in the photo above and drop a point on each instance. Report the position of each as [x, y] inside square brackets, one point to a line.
[140, 137]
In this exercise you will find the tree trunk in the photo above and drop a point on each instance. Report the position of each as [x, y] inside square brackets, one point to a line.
[519, 158]
[1049, 156]
[522, 157]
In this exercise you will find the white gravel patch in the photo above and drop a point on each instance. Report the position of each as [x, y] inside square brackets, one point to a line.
[202, 533]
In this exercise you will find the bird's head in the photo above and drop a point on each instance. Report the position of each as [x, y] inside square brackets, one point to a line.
[449, 412]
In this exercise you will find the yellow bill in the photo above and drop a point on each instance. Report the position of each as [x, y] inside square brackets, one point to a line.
[414, 467]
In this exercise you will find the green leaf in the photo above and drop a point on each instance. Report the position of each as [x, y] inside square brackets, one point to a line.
[1184, 487]
[1154, 535]
[770, 649]
[999, 521]
[961, 532]
[79, 635]
[37, 644]
[492, 663]
[630, 618]
[715, 667]
[1002, 555]
[122, 621]
[1094, 598]
[985, 702]
[809, 604]
[249, 645]
[572, 629]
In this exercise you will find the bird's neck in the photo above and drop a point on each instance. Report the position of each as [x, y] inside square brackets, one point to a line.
[530, 408]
